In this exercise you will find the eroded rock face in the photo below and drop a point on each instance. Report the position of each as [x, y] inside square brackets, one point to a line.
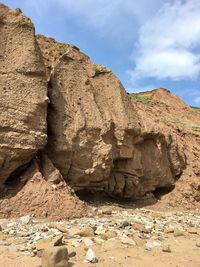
[96, 138]
[91, 123]
[23, 92]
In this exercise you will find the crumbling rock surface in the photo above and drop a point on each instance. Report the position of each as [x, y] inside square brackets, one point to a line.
[23, 93]
[95, 136]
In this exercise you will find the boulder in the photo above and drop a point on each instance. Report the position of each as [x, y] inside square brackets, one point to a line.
[55, 257]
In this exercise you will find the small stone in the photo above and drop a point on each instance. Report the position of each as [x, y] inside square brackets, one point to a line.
[166, 248]
[57, 241]
[169, 230]
[55, 256]
[57, 226]
[140, 227]
[37, 238]
[88, 242]
[178, 233]
[128, 241]
[86, 231]
[44, 229]
[91, 256]
[107, 212]
[150, 245]
[192, 230]
[109, 235]
[100, 230]
[125, 224]
[72, 254]
[161, 238]
[25, 219]
[198, 245]
[12, 232]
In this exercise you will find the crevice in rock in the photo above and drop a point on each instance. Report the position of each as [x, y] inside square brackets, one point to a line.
[14, 178]
[161, 191]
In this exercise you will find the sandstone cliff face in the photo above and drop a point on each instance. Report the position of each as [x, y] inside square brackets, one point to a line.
[99, 139]
[95, 136]
[23, 93]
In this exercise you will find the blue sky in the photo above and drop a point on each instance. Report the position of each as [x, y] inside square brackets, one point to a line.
[146, 43]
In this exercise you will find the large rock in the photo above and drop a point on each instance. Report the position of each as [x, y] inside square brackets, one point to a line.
[95, 136]
[23, 93]
[55, 257]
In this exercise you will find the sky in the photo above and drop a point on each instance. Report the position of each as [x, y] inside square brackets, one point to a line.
[147, 43]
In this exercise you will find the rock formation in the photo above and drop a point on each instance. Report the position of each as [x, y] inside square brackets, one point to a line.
[23, 93]
[96, 138]
[95, 135]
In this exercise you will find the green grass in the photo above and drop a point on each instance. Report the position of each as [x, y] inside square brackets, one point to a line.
[196, 108]
[97, 71]
[143, 99]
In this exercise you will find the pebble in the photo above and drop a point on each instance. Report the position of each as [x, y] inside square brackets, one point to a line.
[178, 233]
[25, 219]
[150, 245]
[169, 230]
[125, 224]
[72, 254]
[137, 228]
[86, 232]
[88, 242]
[141, 228]
[166, 248]
[192, 230]
[198, 245]
[57, 226]
[91, 256]
[107, 211]
[109, 235]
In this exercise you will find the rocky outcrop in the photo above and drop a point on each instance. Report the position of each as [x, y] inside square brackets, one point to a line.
[95, 136]
[23, 93]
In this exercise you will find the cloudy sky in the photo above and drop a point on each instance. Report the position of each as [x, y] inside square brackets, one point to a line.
[146, 43]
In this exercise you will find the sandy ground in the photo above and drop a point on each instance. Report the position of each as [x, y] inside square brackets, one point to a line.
[185, 250]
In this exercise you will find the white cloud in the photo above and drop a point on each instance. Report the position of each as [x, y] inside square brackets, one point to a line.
[167, 43]
[197, 100]
[117, 19]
